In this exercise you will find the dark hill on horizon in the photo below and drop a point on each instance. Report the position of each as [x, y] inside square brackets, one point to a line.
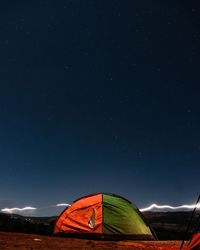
[171, 225]
[166, 225]
[26, 224]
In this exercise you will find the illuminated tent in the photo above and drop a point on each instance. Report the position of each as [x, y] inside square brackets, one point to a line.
[106, 216]
[195, 240]
[194, 243]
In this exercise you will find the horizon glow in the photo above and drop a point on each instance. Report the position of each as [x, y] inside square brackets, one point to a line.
[149, 208]
[152, 206]
[63, 205]
[10, 210]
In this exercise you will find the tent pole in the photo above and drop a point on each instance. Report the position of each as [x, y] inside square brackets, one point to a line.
[189, 223]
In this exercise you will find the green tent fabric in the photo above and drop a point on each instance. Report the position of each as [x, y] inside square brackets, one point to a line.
[122, 217]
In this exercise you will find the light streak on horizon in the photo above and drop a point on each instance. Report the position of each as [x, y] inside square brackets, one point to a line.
[149, 208]
[152, 206]
[63, 205]
[16, 209]
[24, 209]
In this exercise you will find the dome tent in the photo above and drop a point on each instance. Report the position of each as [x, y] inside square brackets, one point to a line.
[106, 216]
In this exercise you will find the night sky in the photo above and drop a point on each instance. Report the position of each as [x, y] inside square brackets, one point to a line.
[99, 96]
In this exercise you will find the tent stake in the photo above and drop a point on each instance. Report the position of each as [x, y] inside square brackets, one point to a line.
[189, 223]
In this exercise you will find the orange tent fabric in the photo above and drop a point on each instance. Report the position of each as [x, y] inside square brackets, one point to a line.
[80, 216]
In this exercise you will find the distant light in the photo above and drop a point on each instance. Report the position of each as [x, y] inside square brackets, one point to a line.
[16, 209]
[151, 207]
[63, 205]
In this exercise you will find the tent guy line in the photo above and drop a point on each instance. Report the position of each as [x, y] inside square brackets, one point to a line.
[149, 208]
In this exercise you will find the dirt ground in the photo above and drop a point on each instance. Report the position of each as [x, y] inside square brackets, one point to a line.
[13, 241]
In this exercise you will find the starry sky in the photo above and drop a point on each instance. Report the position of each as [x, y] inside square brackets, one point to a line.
[99, 96]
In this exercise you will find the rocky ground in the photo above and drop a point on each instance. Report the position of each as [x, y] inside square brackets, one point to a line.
[13, 241]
